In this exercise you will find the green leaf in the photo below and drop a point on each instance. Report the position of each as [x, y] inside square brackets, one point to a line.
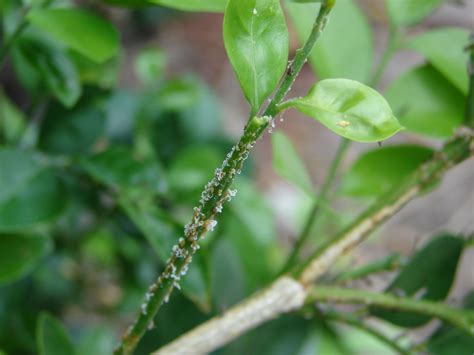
[19, 254]
[428, 276]
[51, 337]
[72, 132]
[426, 103]
[97, 340]
[256, 40]
[349, 109]
[329, 57]
[447, 340]
[409, 12]
[120, 170]
[380, 170]
[30, 193]
[194, 5]
[40, 65]
[150, 65]
[288, 164]
[81, 30]
[444, 49]
[12, 121]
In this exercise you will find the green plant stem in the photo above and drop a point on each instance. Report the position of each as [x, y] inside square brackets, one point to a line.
[388, 263]
[453, 152]
[462, 319]
[344, 145]
[205, 335]
[358, 323]
[469, 118]
[321, 198]
[215, 194]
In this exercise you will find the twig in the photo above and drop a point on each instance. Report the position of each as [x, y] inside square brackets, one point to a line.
[462, 319]
[388, 263]
[282, 296]
[320, 199]
[453, 153]
[215, 194]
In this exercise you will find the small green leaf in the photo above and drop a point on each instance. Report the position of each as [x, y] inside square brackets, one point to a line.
[39, 65]
[52, 338]
[194, 5]
[12, 121]
[378, 171]
[444, 49]
[30, 193]
[426, 103]
[19, 254]
[150, 65]
[256, 40]
[81, 30]
[428, 276]
[329, 57]
[409, 12]
[288, 164]
[350, 109]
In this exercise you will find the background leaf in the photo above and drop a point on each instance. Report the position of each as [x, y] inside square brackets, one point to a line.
[426, 103]
[380, 170]
[52, 338]
[256, 40]
[40, 65]
[194, 5]
[444, 49]
[20, 253]
[428, 275]
[30, 193]
[349, 109]
[288, 164]
[81, 30]
[409, 12]
[448, 340]
[329, 57]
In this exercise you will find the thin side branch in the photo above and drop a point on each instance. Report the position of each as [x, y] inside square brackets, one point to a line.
[215, 194]
[284, 295]
[462, 319]
[453, 153]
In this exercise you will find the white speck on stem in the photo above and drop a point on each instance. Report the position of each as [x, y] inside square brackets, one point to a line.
[255, 12]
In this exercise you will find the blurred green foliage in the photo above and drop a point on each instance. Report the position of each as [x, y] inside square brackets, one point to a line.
[96, 181]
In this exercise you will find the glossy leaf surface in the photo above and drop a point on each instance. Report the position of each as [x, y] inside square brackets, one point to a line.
[256, 40]
[42, 68]
[444, 49]
[329, 57]
[350, 109]
[409, 12]
[81, 30]
[380, 170]
[426, 103]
